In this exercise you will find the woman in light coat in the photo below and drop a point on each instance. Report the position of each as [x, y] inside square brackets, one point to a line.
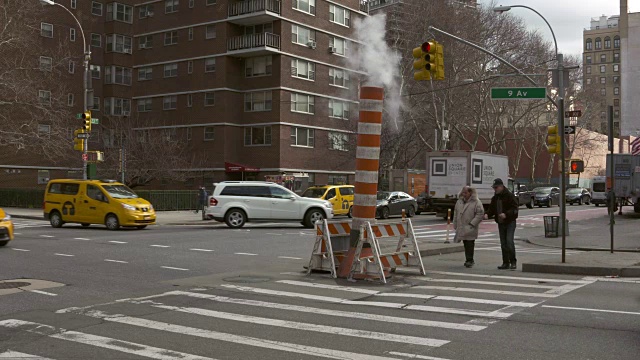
[466, 220]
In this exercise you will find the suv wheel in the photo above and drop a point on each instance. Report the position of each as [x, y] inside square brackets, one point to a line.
[235, 218]
[530, 204]
[350, 214]
[111, 222]
[312, 216]
[56, 219]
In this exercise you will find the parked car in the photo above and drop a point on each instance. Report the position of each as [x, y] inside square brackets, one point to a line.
[424, 203]
[340, 197]
[524, 196]
[547, 196]
[239, 202]
[578, 196]
[6, 228]
[392, 203]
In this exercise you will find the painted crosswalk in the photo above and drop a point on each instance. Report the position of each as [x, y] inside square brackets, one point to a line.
[29, 223]
[305, 317]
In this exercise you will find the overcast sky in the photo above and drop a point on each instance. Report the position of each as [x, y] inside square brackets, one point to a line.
[568, 18]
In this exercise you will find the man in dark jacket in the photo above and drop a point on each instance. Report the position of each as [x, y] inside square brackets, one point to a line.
[504, 208]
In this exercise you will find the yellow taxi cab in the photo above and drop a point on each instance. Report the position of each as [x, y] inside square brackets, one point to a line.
[6, 228]
[340, 196]
[96, 202]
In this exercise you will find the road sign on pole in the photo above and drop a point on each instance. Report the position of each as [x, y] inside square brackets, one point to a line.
[524, 93]
[573, 113]
[568, 130]
[83, 135]
[95, 121]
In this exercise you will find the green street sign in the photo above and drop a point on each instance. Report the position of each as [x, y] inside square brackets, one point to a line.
[518, 93]
[95, 121]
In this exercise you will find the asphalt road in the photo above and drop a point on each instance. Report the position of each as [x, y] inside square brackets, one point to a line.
[203, 292]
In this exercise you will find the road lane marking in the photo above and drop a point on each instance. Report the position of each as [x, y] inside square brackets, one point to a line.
[47, 236]
[100, 341]
[205, 250]
[274, 234]
[14, 355]
[460, 299]
[595, 310]
[334, 330]
[116, 261]
[486, 291]
[58, 254]
[174, 268]
[509, 277]
[331, 287]
[414, 356]
[16, 249]
[232, 338]
[289, 257]
[491, 283]
[160, 246]
[83, 239]
[248, 254]
[117, 242]
[17, 233]
[320, 311]
[41, 292]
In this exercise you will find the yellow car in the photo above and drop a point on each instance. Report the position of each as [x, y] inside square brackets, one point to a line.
[96, 202]
[6, 228]
[340, 197]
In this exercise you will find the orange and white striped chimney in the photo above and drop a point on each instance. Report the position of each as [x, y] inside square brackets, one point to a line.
[367, 164]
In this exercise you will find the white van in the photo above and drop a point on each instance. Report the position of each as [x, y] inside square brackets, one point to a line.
[599, 190]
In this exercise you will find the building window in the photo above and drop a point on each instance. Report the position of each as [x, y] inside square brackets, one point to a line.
[338, 46]
[616, 114]
[44, 97]
[96, 40]
[603, 69]
[302, 137]
[338, 77]
[339, 15]
[302, 35]
[46, 30]
[70, 99]
[96, 8]
[72, 34]
[210, 32]
[588, 69]
[258, 66]
[616, 91]
[210, 2]
[257, 135]
[302, 103]
[588, 59]
[307, 6]
[96, 104]
[145, 11]
[616, 42]
[72, 67]
[603, 80]
[117, 75]
[616, 57]
[190, 33]
[616, 102]
[145, 42]
[338, 141]
[44, 129]
[209, 99]
[189, 100]
[46, 63]
[170, 38]
[95, 71]
[598, 44]
[145, 105]
[119, 43]
[145, 73]
[209, 65]
[209, 133]
[338, 109]
[588, 81]
[117, 106]
[43, 177]
[120, 12]
[170, 102]
[603, 58]
[170, 70]
[616, 79]
[171, 6]
[189, 67]
[607, 43]
[603, 91]
[616, 67]
[257, 101]
[303, 69]
[588, 44]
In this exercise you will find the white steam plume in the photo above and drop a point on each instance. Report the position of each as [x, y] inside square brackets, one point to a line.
[381, 62]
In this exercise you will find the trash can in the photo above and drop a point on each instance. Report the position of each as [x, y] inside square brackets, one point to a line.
[551, 226]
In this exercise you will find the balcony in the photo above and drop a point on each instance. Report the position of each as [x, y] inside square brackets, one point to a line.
[253, 44]
[251, 12]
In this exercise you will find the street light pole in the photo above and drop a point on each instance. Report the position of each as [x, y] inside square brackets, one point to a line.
[85, 81]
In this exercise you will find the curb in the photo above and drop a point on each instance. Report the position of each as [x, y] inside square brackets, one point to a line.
[580, 248]
[632, 271]
[31, 217]
[442, 251]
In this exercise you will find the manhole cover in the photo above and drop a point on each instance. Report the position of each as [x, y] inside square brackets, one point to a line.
[13, 285]
[248, 279]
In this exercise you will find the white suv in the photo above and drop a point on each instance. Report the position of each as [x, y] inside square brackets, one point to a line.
[237, 202]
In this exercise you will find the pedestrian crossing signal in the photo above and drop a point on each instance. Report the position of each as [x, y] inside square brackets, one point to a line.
[576, 166]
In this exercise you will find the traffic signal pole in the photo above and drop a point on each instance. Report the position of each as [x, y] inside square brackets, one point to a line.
[563, 167]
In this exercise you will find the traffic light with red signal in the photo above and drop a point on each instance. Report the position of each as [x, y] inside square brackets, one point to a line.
[429, 61]
[576, 166]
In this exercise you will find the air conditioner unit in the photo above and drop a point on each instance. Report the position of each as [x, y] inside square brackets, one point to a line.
[127, 50]
[143, 46]
[150, 13]
[125, 113]
[311, 44]
[332, 49]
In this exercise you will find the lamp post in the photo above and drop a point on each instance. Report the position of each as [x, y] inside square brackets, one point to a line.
[560, 106]
[85, 80]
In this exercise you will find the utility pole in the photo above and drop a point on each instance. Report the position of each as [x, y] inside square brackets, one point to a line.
[563, 146]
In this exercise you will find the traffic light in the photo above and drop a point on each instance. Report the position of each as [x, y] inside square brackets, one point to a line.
[425, 61]
[86, 118]
[553, 140]
[576, 166]
[439, 62]
[78, 144]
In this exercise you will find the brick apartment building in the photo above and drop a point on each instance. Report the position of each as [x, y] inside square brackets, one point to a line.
[252, 88]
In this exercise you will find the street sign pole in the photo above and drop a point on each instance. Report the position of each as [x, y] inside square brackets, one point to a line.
[563, 145]
[611, 197]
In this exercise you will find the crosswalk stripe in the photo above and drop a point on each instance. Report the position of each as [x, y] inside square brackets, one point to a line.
[487, 291]
[459, 299]
[232, 338]
[415, 356]
[490, 283]
[14, 355]
[308, 327]
[320, 311]
[101, 341]
[523, 278]
[327, 286]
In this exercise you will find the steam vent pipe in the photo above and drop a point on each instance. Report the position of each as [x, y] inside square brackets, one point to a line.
[367, 163]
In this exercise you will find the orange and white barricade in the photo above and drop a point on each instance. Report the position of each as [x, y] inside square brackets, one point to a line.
[323, 256]
[377, 265]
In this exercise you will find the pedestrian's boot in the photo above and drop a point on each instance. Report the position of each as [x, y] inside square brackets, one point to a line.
[514, 265]
[469, 263]
[504, 266]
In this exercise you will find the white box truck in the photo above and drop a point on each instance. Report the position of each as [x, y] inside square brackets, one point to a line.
[626, 185]
[449, 171]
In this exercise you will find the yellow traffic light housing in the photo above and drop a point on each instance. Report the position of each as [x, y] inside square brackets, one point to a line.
[86, 118]
[439, 73]
[576, 166]
[553, 140]
[424, 61]
[78, 143]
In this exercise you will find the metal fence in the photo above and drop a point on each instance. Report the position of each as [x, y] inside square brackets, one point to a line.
[162, 200]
